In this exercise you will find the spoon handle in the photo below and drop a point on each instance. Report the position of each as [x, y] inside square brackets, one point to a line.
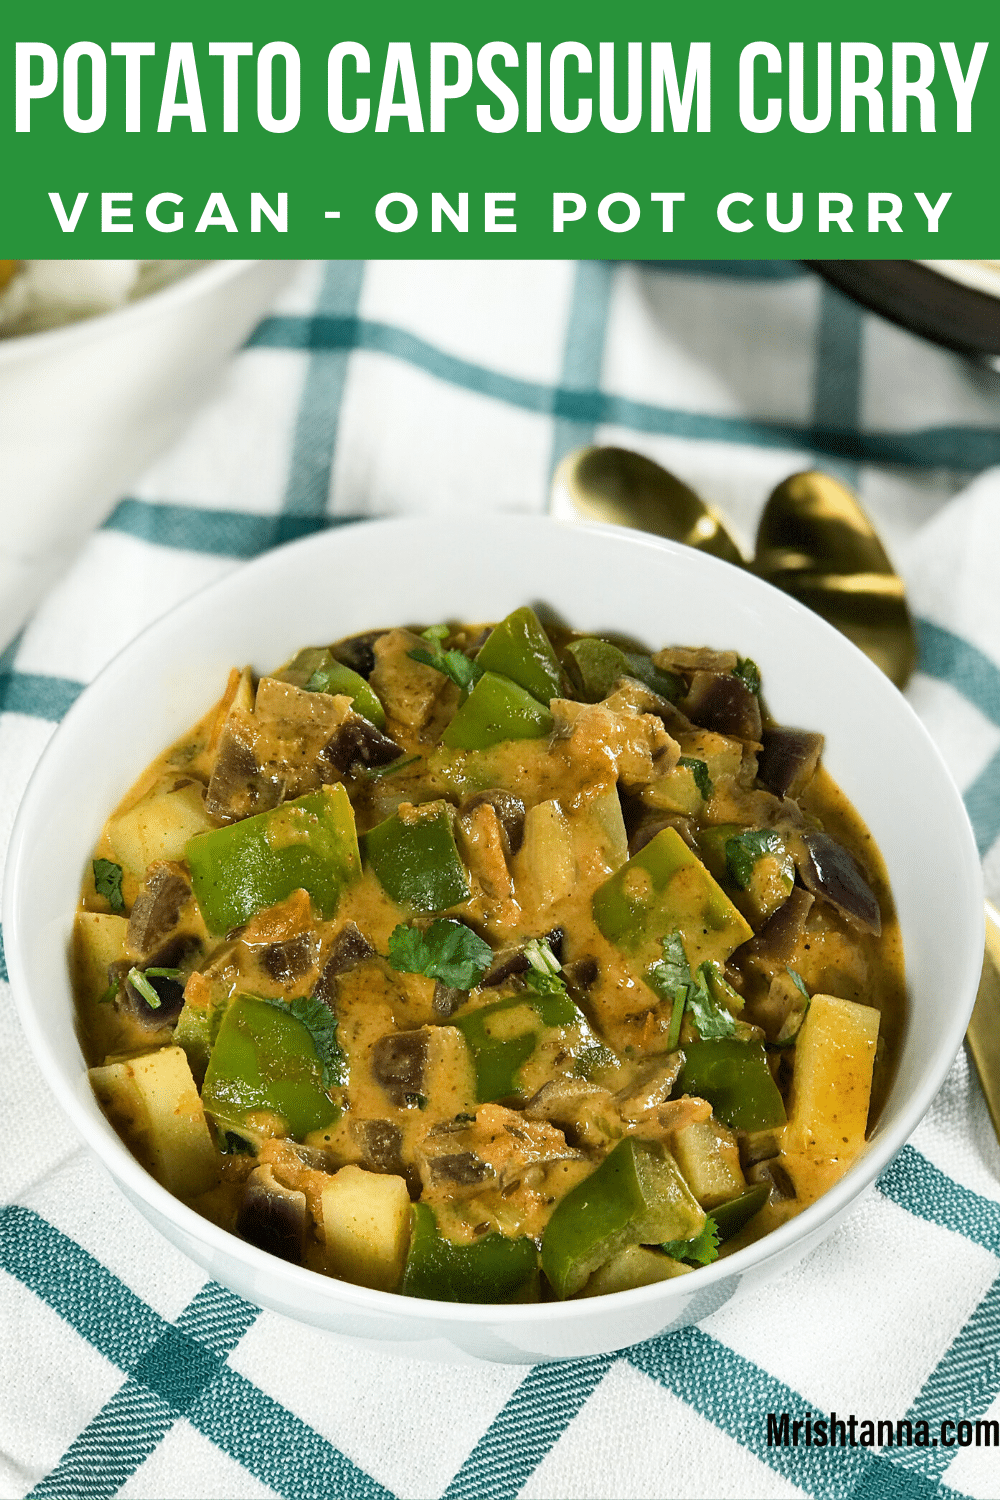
[983, 1035]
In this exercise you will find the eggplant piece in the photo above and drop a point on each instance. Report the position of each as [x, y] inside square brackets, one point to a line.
[509, 810]
[464, 1169]
[130, 1002]
[646, 832]
[398, 1063]
[447, 999]
[350, 948]
[779, 937]
[582, 973]
[239, 787]
[157, 909]
[788, 759]
[510, 964]
[830, 872]
[771, 1172]
[381, 1144]
[652, 1087]
[358, 652]
[723, 703]
[358, 744]
[288, 961]
[273, 1217]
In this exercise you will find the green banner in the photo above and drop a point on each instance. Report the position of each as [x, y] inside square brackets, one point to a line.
[637, 130]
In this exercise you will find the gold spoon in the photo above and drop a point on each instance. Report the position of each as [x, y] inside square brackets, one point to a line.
[814, 542]
[626, 489]
[983, 1035]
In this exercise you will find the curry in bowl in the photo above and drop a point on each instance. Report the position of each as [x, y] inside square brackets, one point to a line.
[490, 964]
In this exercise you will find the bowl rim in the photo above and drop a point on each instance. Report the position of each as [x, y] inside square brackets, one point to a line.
[101, 1138]
[204, 277]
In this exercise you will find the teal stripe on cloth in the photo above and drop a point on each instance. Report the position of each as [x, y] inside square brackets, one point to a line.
[735, 1395]
[77, 1287]
[3, 959]
[966, 449]
[222, 533]
[314, 439]
[962, 1387]
[583, 351]
[36, 696]
[531, 1423]
[175, 1369]
[970, 672]
[914, 1183]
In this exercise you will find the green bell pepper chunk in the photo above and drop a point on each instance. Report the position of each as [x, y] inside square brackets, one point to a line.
[730, 1217]
[308, 844]
[735, 1079]
[754, 865]
[317, 670]
[600, 664]
[265, 1059]
[416, 861]
[502, 1036]
[637, 1196]
[662, 889]
[491, 1269]
[519, 649]
[497, 710]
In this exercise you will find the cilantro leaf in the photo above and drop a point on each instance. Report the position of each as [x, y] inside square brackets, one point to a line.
[672, 979]
[321, 1024]
[699, 769]
[137, 979]
[446, 950]
[108, 883]
[798, 982]
[749, 674]
[712, 1018]
[744, 849]
[701, 1251]
[453, 664]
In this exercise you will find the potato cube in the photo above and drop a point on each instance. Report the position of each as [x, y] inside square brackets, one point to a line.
[545, 868]
[366, 1226]
[832, 1080]
[709, 1158]
[98, 942]
[158, 827]
[154, 1105]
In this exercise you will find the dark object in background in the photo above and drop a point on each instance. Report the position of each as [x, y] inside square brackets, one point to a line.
[920, 300]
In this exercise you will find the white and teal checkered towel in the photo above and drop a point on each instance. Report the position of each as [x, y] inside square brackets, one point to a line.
[447, 390]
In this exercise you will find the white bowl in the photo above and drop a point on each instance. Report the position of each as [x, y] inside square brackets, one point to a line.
[593, 578]
[85, 407]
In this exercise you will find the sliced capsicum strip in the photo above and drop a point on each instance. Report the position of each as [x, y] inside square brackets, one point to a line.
[310, 844]
[519, 649]
[265, 1061]
[730, 1217]
[600, 665]
[735, 1079]
[414, 858]
[317, 670]
[497, 710]
[491, 1269]
[502, 1036]
[637, 1196]
[664, 888]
